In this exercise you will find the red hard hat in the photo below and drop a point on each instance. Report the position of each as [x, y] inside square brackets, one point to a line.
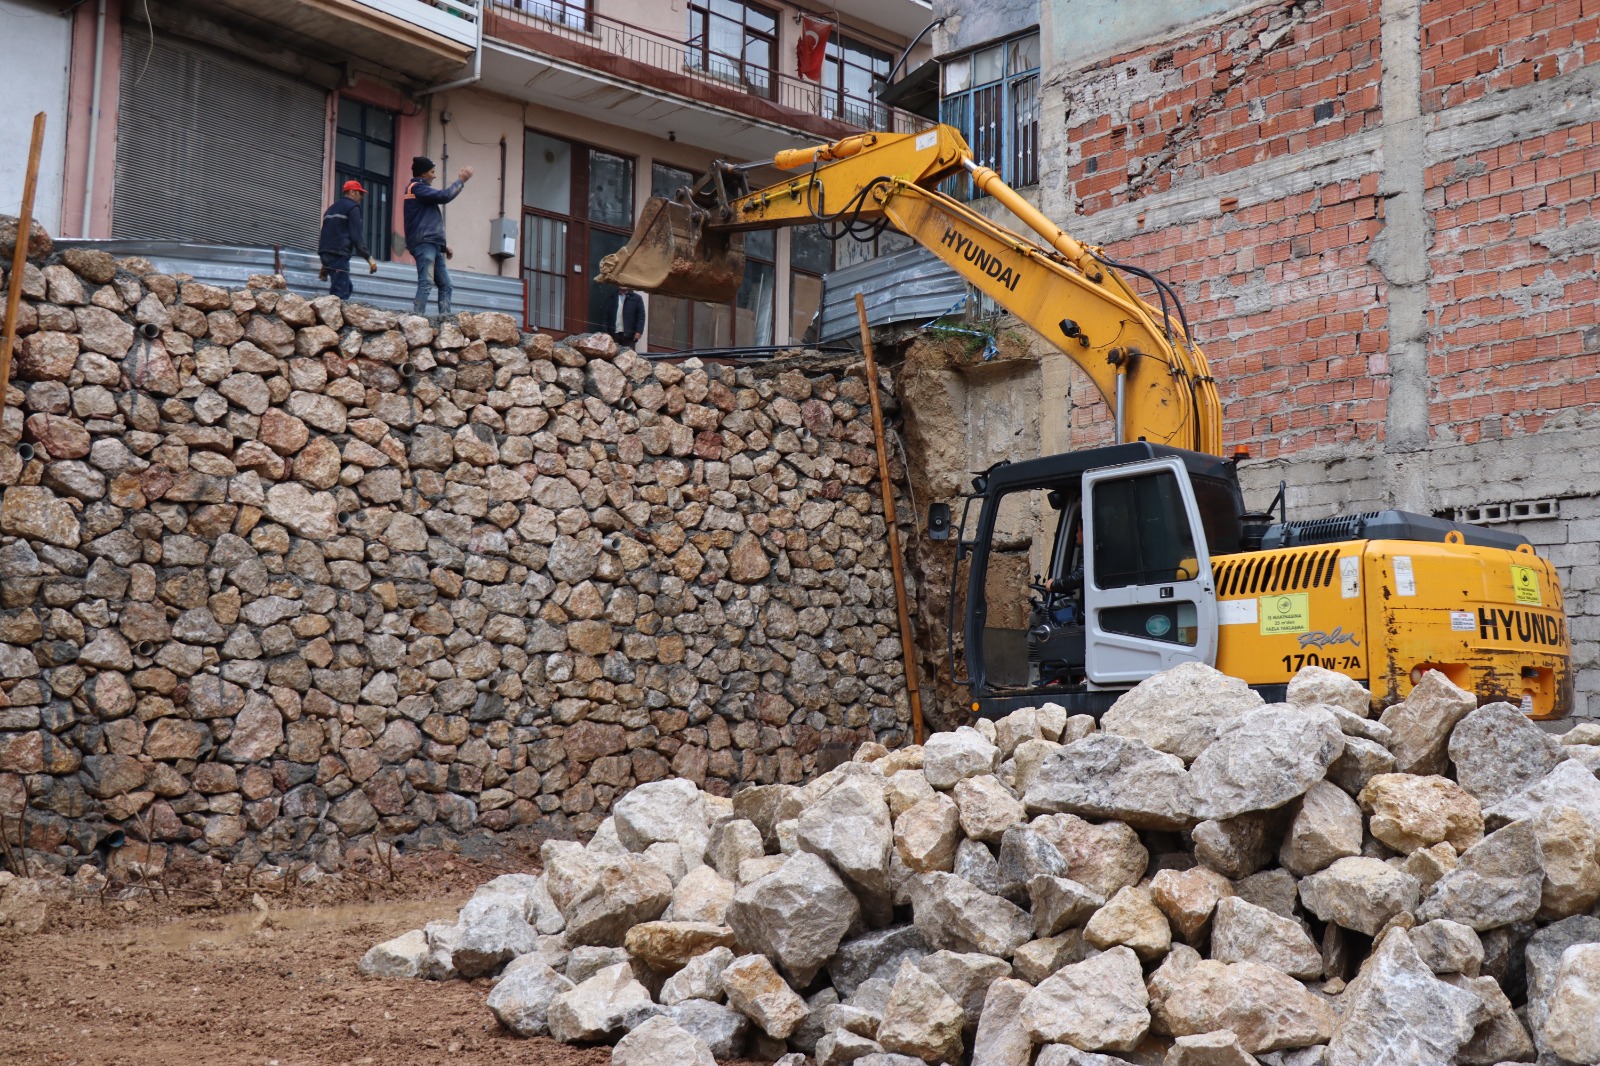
[353, 186]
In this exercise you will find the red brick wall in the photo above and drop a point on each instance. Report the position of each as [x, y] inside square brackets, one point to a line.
[1284, 293]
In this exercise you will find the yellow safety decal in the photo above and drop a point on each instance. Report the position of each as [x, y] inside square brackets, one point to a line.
[1525, 583]
[1286, 613]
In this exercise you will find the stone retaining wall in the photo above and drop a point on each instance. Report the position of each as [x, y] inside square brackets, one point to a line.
[282, 573]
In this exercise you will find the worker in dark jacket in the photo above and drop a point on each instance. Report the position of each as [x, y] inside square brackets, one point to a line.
[627, 318]
[425, 230]
[341, 238]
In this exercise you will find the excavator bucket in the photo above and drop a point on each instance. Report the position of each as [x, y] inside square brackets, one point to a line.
[672, 253]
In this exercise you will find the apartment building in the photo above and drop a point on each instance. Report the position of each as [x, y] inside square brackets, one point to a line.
[235, 121]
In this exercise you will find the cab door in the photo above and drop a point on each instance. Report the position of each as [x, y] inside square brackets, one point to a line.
[1148, 590]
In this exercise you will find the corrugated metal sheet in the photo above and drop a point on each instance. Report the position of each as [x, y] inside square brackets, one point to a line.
[213, 148]
[906, 287]
[391, 287]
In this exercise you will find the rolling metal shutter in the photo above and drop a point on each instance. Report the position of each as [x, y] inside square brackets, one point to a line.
[215, 149]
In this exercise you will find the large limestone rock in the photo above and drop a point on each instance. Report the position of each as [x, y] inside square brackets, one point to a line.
[1104, 858]
[1264, 760]
[521, 1002]
[965, 978]
[927, 834]
[1182, 710]
[1315, 686]
[950, 757]
[1569, 852]
[1360, 893]
[722, 1029]
[920, 1019]
[1243, 932]
[1002, 1038]
[1060, 903]
[608, 1003]
[796, 915]
[1189, 897]
[1571, 1030]
[401, 957]
[876, 954]
[700, 978]
[1237, 847]
[661, 1042]
[702, 896]
[1496, 882]
[1326, 827]
[1410, 812]
[1498, 752]
[951, 913]
[1130, 918]
[667, 946]
[1221, 1048]
[1396, 1010]
[755, 990]
[493, 932]
[1025, 853]
[1544, 955]
[986, 807]
[1266, 1008]
[1501, 1037]
[1421, 724]
[667, 811]
[620, 892]
[1100, 1003]
[1106, 776]
[1570, 784]
[1448, 947]
[849, 827]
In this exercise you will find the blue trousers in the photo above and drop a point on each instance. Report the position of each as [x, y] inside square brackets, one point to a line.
[431, 269]
[338, 268]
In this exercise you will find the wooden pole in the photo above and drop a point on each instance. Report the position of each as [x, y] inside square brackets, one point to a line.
[19, 261]
[907, 645]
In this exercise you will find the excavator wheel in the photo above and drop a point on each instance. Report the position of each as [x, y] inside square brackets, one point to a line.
[672, 254]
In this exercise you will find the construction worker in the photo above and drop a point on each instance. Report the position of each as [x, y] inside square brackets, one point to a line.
[425, 230]
[341, 236]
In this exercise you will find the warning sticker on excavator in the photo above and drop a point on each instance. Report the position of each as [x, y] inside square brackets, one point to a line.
[1286, 613]
[1525, 583]
[927, 140]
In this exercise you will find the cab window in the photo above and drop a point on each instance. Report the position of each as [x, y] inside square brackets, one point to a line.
[1141, 532]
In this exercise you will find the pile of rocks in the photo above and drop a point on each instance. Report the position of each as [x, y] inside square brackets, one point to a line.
[277, 573]
[1199, 879]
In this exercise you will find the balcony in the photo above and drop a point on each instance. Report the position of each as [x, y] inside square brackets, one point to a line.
[551, 52]
[424, 40]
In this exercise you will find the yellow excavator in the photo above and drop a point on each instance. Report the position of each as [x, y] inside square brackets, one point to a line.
[1144, 551]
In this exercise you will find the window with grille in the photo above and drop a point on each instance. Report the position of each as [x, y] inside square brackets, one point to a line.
[735, 42]
[991, 95]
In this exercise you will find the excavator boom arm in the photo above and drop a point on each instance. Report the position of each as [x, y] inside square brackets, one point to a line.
[1137, 355]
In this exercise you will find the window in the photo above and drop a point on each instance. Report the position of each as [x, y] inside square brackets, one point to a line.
[577, 208]
[1141, 532]
[365, 151]
[810, 258]
[574, 13]
[753, 307]
[734, 41]
[848, 71]
[992, 96]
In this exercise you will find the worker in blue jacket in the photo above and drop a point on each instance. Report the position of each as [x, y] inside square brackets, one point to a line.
[340, 238]
[425, 230]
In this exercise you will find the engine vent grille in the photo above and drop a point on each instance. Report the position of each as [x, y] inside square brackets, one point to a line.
[1281, 571]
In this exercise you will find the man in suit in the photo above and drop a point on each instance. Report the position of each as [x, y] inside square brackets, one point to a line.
[627, 318]
[340, 238]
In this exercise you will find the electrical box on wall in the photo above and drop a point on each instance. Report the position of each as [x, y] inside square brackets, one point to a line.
[503, 238]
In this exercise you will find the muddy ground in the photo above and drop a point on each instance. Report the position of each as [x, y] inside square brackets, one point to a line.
[203, 976]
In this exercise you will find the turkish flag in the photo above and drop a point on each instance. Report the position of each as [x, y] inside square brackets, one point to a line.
[813, 46]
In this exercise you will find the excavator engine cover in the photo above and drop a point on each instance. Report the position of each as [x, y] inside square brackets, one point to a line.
[672, 254]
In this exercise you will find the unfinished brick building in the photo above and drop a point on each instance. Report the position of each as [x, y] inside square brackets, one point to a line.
[1379, 213]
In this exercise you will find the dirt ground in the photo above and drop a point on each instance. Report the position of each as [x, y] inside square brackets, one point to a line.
[208, 978]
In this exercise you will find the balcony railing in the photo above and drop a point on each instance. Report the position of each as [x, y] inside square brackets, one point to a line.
[619, 47]
[456, 20]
